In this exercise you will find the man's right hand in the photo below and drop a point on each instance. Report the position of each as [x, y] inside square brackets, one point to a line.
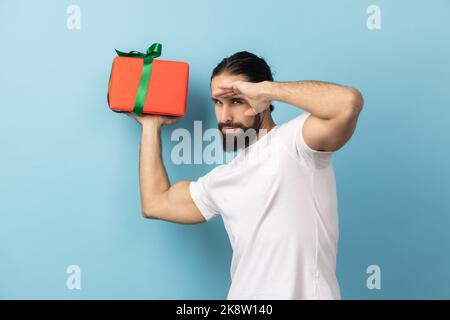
[153, 119]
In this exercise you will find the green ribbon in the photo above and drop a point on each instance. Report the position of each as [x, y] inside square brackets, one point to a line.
[153, 51]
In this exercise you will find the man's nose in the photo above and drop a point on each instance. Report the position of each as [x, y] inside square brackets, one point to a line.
[226, 113]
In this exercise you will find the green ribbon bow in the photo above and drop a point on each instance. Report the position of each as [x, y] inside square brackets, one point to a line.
[153, 51]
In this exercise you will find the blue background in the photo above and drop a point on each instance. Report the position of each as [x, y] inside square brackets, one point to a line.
[69, 191]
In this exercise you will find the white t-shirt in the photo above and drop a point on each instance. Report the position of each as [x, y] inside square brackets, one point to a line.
[278, 203]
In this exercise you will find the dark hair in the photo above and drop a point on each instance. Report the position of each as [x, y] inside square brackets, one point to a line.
[245, 63]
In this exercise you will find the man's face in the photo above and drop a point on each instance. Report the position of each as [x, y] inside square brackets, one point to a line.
[232, 122]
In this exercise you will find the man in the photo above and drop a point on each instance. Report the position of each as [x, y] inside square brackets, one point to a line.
[279, 209]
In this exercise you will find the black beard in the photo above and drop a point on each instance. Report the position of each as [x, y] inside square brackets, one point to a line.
[242, 139]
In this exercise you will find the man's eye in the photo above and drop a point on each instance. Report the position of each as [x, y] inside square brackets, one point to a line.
[237, 101]
[217, 102]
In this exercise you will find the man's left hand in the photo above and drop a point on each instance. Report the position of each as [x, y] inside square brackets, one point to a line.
[255, 93]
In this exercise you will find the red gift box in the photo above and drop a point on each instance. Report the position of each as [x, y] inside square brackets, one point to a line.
[141, 84]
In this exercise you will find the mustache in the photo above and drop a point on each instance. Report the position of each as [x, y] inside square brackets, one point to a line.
[235, 125]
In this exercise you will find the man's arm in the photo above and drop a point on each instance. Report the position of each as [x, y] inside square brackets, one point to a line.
[334, 110]
[159, 200]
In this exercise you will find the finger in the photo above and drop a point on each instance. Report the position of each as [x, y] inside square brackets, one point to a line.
[227, 86]
[220, 92]
[231, 95]
[171, 117]
[171, 120]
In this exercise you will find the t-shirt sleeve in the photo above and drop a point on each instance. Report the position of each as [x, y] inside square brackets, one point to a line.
[202, 197]
[292, 136]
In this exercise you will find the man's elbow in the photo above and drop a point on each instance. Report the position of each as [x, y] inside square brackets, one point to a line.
[149, 211]
[147, 214]
[154, 207]
[355, 102]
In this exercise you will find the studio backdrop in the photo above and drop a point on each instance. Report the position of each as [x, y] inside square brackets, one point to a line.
[70, 215]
